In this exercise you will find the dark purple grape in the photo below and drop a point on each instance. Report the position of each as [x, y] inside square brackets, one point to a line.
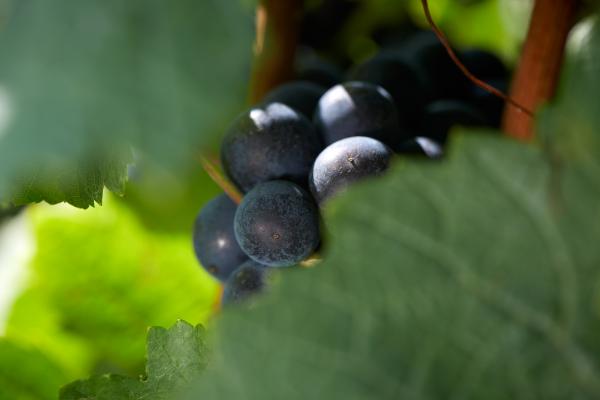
[323, 20]
[393, 35]
[421, 146]
[302, 96]
[277, 224]
[248, 280]
[214, 239]
[345, 162]
[483, 64]
[430, 57]
[312, 68]
[405, 83]
[489, 104]
[357, 109]
[440, 116]
[272, 142]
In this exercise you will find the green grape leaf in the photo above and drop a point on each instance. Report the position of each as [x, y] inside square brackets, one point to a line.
[83, 82]
[176, 357]
[114, 387]
[462, 279]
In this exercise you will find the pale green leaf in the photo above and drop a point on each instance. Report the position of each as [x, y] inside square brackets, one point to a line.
[176, 357]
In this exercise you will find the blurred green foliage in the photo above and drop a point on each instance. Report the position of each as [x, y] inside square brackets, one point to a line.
[27, 374]
[98, 280]
[165, 199]
[496, 25]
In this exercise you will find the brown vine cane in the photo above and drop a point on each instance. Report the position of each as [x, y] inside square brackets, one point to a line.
[538, 71]
[277, 31]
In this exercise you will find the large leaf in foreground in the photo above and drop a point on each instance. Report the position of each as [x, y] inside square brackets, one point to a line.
[460, 280]
[175, 358]
[81, 81]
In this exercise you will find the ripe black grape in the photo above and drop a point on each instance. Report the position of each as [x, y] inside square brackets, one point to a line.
[357, 109]
[302, 96]
[323, 20]
[345, 162]
[248, 280]
[405, 83]
[312, 68]
[277, 224]
[273, 142]
[421, 146]
[490, 105]
[440, 116]
[430, 56]
[214, 240]
[483, 64]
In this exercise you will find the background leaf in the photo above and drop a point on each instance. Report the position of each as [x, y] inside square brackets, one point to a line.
[175, 357]
[496, 25]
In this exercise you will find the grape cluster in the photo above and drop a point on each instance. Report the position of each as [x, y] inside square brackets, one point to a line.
[306, 142]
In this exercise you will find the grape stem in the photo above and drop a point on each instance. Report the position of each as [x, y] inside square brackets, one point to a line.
[483, 85]
[277, 31]
[215, 174]
[537, 74]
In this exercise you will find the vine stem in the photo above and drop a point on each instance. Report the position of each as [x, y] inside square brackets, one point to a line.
[277, 32]
[483, 85]
[215, 174]
[218, 300]
[537, 74]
